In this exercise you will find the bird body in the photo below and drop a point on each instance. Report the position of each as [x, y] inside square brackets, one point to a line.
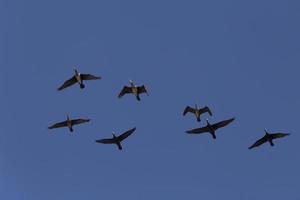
[210, 128]
[268, 137]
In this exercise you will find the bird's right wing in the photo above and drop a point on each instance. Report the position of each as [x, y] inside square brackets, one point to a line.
[126, 134]
[124, 91]
[188, 109]
[58, 125]
[258, 142]
[106, 141]
[68, 83]
[198, 130]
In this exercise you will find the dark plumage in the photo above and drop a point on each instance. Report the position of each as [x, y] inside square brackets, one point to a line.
[197, 111]
[78, 78]
[133, 89]
[268, 137]
[210, 128]
[69, 123]
[117, 139]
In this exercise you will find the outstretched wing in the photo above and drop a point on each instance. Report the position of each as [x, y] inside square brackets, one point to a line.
[278, 135]
[79, 121]
[198, 130]
[188, 109]
[89, 77]
[68, 83]
[126, 134]
[124, 91]
[206, 109]
[106, 141]
[58, 125]
[142, 89]
[222, 123]
[258, 142]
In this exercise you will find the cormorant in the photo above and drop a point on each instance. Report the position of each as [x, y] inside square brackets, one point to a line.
[268, 137]
[210, 128]
[78, 78]
[197, 111]
[69, 123]
[134, 89]
[117, 139]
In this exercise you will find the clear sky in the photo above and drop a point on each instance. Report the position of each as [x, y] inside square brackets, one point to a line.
[240, 58]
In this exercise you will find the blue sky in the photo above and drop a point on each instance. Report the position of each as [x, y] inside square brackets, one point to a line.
[239, 58]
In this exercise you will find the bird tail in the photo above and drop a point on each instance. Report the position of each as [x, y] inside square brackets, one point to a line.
[71, 129]
[138, 97]
[82, 86]
[198, 119]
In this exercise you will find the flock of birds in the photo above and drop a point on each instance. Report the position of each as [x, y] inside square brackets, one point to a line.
[136, 91]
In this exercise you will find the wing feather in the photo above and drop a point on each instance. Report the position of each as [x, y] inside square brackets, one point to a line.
[198, 130]
[259, 142]
[142, 89]
[89, 77]
[222, 123]
[106, 141]
[58, 125]
[126, 134]
[79, 121]
[188, 109]
[124, 91]
[68, 83]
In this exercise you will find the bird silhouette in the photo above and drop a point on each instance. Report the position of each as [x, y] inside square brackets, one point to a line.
[210, 128]
[117, 139]
[268, 137]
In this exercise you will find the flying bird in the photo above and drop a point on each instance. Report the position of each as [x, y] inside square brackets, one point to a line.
[211, 128]
[69, 123]
[268, 137]
[78, 78]
[117, 139]
[133, 89]
[197, 111]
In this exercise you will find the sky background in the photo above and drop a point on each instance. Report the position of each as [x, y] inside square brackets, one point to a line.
[240, 58]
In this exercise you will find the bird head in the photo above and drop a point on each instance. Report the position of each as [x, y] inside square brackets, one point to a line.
[76, 71]
[266, 131]
[207, 121]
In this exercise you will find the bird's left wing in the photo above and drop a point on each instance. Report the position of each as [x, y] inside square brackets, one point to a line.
[79, 121]
[126, 134]
[206, 109]
[142, 89]
[279, 135]
[222, 123]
